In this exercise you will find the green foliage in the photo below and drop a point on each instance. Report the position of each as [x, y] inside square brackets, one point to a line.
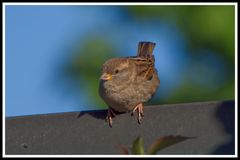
[137, 147]
[164, 142]
[158, 145]
[204, 26]
[85, 66]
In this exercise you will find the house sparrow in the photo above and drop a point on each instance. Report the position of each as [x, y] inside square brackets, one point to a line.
[126, 83]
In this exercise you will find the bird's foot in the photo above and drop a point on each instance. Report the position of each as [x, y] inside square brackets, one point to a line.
[139, 109]
[110, 115]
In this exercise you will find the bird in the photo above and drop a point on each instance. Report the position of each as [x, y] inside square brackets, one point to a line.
[126, 83]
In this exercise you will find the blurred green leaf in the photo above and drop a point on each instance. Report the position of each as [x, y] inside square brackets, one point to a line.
[137, 147]
[164, 142]
[85, 66]
[204, 26]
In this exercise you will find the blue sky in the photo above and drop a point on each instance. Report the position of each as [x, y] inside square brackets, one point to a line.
[36, 37]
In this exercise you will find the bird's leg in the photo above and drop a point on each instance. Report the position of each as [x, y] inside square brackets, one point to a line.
[110, 115]
[139, 108]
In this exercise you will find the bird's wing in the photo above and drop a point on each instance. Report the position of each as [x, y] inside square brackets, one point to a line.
[145, 59]
[144, 66]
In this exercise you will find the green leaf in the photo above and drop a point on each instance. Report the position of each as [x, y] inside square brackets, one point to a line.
[164, 142]
[137, 147]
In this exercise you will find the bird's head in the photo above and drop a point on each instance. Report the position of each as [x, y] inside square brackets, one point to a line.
[115, 70]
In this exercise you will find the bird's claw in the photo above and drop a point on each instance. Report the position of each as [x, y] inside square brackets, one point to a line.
[109, 117]
[139, 109]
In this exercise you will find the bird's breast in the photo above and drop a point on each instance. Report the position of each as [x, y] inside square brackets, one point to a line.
[124, 99]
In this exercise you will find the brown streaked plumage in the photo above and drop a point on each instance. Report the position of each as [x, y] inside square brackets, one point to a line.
[126, 83]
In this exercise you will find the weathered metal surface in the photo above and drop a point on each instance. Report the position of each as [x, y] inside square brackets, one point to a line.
[211, 123]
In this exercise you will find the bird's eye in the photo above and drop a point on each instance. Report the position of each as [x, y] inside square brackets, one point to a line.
[116, 71]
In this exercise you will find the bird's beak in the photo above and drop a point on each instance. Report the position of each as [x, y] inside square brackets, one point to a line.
[106, 76]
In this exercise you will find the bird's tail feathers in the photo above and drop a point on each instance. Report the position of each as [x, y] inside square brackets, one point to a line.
[145, 49]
